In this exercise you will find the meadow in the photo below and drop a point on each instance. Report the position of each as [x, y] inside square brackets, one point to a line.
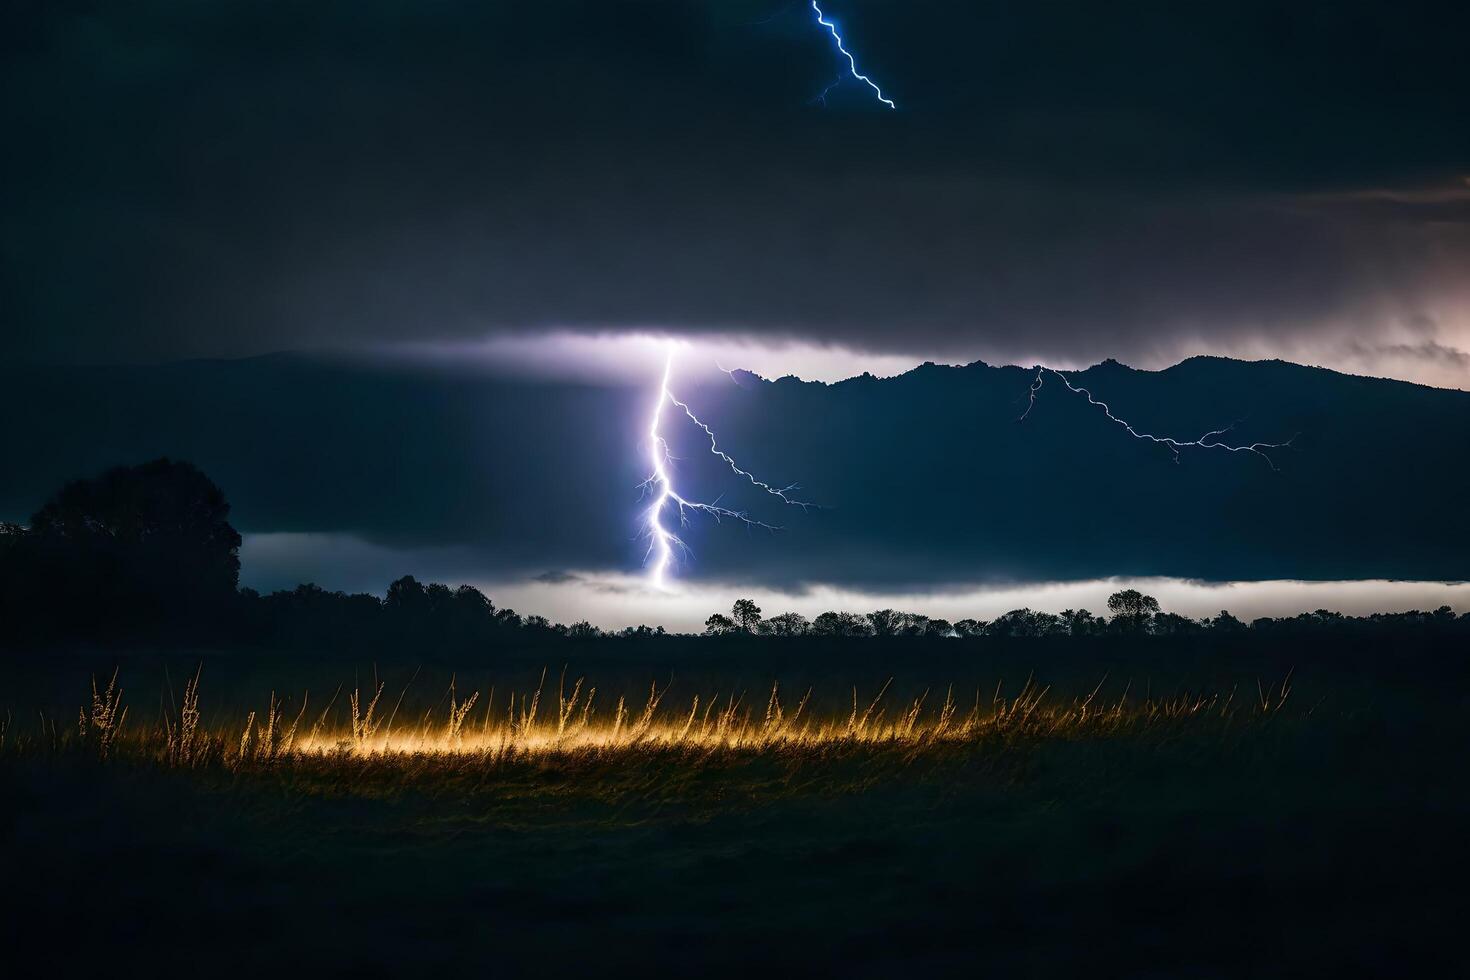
[1136, 808]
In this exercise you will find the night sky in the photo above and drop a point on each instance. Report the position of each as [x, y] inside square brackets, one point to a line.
[537, 188]
[1061, 181]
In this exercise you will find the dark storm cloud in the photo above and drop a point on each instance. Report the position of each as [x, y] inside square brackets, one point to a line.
[1067, 180]
[351, 473]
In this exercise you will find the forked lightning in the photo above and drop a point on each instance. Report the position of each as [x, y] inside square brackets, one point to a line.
[662, 541]
[1210, 440]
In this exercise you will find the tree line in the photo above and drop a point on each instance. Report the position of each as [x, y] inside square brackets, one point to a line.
[146, 554]
[1132, 614]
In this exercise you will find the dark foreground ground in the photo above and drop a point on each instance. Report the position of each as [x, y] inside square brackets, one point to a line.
[1326, 840]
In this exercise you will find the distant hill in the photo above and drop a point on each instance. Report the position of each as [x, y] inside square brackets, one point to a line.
[923, 479]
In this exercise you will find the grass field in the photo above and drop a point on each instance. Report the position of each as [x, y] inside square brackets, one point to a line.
[1060, 826]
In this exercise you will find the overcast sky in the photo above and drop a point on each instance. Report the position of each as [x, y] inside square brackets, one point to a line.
[1060, 181]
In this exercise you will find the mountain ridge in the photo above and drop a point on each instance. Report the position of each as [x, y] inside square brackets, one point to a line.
[928, 477]
[347, 357]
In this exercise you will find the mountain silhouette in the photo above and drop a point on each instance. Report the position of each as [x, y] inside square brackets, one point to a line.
[922, 480]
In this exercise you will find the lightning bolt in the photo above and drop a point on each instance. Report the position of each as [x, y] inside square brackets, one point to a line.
[851, 63]
[1210, 440]
[662, 541]
[822, 95]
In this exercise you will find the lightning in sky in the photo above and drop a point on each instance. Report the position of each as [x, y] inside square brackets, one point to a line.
[1210, 440]
[851, 63]
[663, 541]
[822, 95]
[662, 528]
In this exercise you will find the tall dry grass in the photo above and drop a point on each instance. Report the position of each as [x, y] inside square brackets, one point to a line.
[580, 727]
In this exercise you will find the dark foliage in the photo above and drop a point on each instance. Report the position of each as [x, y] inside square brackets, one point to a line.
[139, 551]
[145, 555]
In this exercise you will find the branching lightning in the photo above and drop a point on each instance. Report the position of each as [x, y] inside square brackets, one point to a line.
[662, 541]
[663, 535]
[851, 63]
[822, 95]
[1210, 440]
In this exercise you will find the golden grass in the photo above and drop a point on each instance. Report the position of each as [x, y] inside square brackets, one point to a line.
[578, 726]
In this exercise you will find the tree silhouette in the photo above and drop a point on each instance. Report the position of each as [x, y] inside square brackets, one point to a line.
[406, 595]
[840, 624]
[970, 627]
[1133, 612]
[130, 552]
[912, 624]
[166, 519]
[719, 624]
[938, 627]
[786, 624]
[1080, 622]
[886, 622]
[1226, 623]
[146, 553]
[1024, 622]
[747, 615]
[1172, 624]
